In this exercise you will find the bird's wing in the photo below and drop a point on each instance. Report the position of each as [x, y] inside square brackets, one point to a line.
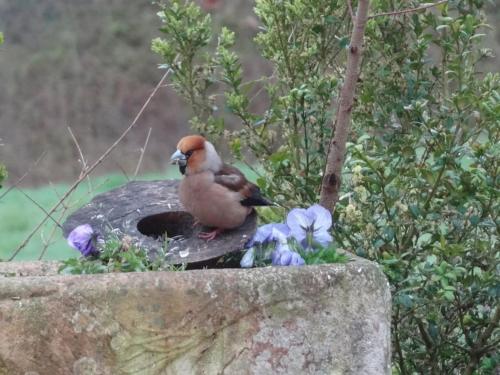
[232, 179]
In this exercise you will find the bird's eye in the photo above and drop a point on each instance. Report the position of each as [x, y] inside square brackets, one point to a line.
[188, 154]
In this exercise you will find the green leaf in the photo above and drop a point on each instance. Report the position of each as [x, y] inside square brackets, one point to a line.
[405, 300]
[414, 210]
[424, 239]
[431, 260]
[326, 255]
[343, 42]
[466, 162]
[449, 296]
[388, 234]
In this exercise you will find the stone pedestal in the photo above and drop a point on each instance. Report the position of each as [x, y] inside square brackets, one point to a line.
[330, 319]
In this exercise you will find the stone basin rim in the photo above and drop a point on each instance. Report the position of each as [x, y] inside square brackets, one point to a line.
[48, 269]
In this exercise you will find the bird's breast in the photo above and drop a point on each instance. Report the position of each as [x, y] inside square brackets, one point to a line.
[212, 204]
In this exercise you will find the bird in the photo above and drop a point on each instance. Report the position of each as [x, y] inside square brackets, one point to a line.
[216, 194]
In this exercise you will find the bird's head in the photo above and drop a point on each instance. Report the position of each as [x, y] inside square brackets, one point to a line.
[195, 154]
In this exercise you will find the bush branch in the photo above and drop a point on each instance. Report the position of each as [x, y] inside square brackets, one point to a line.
[410, 10]
[478, 349]
[330, 186]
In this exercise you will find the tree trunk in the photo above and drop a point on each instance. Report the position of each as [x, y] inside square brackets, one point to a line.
[330, 186]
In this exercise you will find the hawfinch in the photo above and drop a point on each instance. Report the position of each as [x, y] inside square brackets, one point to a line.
[216, 194]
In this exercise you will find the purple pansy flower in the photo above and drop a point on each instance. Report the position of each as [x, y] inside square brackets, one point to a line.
[311, 225]
[270, 232]
[283, 256]
[265, 234]
[83, 239]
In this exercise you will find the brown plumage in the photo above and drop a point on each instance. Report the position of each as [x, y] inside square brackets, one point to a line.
[216, 194]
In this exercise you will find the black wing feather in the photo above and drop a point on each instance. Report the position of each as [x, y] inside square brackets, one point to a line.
[256, 198]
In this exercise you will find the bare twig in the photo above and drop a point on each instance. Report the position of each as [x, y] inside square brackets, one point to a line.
[20, 179]
[39, 206]
[410, 10]
[82, 158]
[143, 150]
[56, 193]
[92, 167]
[51, 235]
[120, 167]
[330, 186]
[79, 149]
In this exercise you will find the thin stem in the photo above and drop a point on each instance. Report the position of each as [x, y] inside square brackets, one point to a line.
[410, 10]
[82, 158]
[51, 235]
[429, 344]
[397, 344]
[143, 150]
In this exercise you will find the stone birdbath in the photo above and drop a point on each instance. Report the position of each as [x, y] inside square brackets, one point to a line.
[328, 319]
[147, 212]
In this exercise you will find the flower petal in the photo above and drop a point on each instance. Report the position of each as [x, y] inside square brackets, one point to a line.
[276, 254]
[322, 237]
[275, 257]
[283, 256]
[248, 258]
[82, 239]
[262, 234]
[296, 260]
[280, 233]
[298, 221]
[321, 216]
[269, 232]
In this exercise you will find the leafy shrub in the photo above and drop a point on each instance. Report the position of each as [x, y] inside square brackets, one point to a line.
[421, 191]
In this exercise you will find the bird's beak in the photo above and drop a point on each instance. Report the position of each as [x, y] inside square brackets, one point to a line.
[178, 158]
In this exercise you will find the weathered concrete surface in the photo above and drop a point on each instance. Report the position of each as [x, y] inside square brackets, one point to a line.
[332, 319]
[145, 211]
[46, 268]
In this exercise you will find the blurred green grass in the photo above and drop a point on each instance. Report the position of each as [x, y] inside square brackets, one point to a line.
[19, 216]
